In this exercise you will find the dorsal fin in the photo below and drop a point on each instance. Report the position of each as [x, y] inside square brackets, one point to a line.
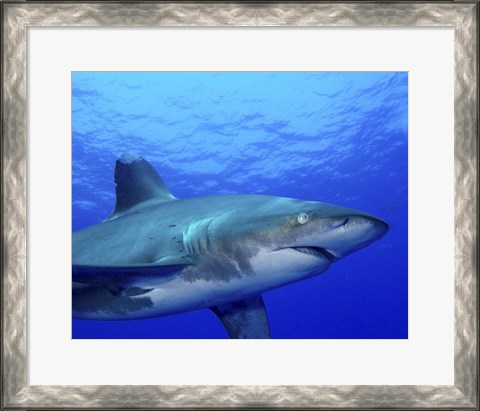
[136, 182]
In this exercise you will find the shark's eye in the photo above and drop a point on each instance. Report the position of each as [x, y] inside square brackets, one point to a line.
[302, 218]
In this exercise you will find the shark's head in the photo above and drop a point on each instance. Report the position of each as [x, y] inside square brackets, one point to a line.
[288, 240]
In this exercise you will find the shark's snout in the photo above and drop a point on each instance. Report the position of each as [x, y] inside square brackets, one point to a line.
[381, 227]
[353, 233]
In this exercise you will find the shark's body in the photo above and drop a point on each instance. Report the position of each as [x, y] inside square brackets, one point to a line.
[157, 255]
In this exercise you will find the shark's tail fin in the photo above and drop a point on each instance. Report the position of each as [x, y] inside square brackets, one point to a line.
[137, 182]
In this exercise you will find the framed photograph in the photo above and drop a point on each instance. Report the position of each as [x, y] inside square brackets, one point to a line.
[261, 143]
[242, 205]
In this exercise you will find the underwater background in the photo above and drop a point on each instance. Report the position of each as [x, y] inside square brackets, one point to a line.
[336, 137]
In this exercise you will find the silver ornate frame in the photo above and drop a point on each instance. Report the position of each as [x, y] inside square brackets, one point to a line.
[18, 15]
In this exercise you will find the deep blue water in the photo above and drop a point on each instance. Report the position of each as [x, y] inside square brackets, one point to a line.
[337, 137]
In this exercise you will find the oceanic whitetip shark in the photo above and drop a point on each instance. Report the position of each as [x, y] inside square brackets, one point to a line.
[157, 255]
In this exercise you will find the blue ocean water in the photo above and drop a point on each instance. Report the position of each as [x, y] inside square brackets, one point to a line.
[336, 137]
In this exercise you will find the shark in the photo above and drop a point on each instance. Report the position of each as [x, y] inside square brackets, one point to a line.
[157, 255]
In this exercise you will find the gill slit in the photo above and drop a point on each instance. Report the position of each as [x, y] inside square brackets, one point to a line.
[196, 238]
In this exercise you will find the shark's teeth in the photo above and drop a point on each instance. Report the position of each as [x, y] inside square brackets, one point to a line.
[317, 252]
[309, 250]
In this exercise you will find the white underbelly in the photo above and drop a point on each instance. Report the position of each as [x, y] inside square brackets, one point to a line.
[194, 291]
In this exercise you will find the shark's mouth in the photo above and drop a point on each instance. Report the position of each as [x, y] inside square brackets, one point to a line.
[317, 252]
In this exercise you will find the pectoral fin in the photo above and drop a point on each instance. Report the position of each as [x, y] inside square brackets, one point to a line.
[245, 318]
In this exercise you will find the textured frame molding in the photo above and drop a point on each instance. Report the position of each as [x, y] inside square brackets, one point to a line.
[17, 16]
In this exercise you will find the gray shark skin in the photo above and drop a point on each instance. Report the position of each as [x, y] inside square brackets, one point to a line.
[157, 255]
